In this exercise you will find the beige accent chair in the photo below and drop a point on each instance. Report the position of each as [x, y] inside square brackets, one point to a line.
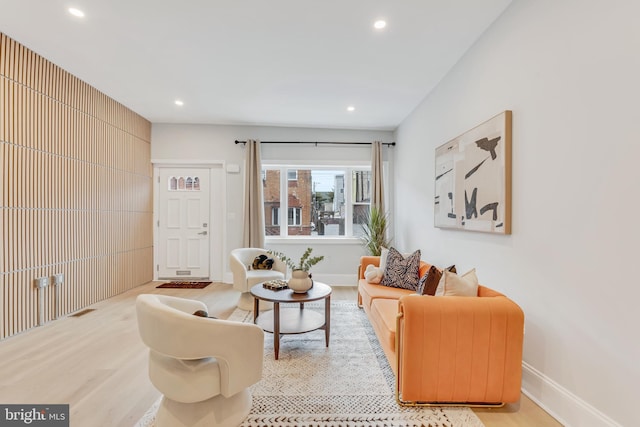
[203, 366]
[244, 277]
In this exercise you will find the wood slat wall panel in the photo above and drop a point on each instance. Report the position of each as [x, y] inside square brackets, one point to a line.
[2, 221]
[3, 107]
[3, 331]
[75, 192]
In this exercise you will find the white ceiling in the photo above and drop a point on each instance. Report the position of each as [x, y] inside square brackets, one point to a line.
[266, 62]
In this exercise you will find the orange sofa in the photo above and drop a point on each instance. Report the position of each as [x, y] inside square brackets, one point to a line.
[447, 349]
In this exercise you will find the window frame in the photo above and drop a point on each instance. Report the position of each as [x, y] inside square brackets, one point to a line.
[296, 217]
[348, 168]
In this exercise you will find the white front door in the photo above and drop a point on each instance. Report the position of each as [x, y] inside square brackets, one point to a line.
[183, 223]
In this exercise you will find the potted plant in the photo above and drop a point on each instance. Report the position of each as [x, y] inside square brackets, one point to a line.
[375, 231]
[300, 281]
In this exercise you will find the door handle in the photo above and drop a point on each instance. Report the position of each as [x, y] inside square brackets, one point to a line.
[203, 233]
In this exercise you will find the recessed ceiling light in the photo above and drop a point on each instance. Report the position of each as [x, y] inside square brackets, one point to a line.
[76, 12]
[179, 103]
[351, 108]
[380, 24]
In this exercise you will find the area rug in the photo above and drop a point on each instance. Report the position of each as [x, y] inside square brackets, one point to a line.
[185, 285]
[348, 384]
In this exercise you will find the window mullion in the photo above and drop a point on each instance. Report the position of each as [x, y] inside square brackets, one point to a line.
[348, 202]
[284, 201]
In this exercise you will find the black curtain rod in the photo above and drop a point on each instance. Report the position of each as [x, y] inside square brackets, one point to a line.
[388, 144]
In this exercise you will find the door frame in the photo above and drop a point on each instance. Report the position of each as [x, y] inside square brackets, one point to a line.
[220, 205]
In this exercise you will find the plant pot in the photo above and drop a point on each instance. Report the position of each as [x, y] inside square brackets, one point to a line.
[300, 281]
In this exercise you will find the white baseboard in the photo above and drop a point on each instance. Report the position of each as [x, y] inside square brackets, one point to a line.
[329, 279]
[228, 277]
[560, 403]
[337, 279]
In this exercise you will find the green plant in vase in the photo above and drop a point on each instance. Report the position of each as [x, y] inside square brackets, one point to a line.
[300, 281]
[305, 263]
[374, 230]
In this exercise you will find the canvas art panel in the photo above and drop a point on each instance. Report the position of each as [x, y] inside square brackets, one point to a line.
[473, 179]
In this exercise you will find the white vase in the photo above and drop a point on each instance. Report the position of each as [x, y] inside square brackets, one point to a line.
[300, 281]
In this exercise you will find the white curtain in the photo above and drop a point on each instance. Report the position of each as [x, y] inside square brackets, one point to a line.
[253, 232]
[377, 192]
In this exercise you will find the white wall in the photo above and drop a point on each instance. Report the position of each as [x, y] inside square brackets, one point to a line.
[216, 143]
[570, 71]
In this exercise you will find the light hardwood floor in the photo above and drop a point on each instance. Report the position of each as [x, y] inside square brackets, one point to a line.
[96, 363]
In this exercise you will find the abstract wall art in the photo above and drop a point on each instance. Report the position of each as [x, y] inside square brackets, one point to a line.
[473, 179]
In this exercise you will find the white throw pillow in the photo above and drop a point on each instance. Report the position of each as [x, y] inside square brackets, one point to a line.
[453, 285]
[384, 253]
[373, 274]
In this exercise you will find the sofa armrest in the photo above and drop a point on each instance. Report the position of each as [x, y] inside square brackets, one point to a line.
[459, 349]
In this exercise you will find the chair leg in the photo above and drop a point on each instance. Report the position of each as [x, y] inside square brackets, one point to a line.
[219, 411]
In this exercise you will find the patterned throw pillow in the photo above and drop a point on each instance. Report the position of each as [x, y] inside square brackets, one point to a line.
[262, 262]
[429, 282]
[203, 313]
[401, 272]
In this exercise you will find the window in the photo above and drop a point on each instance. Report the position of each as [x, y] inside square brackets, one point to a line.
[182, 183]
[271, 192]
[295, 215]
[319, 201]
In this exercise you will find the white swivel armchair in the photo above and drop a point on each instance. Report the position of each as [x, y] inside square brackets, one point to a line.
[244, 277]
[203, 366]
